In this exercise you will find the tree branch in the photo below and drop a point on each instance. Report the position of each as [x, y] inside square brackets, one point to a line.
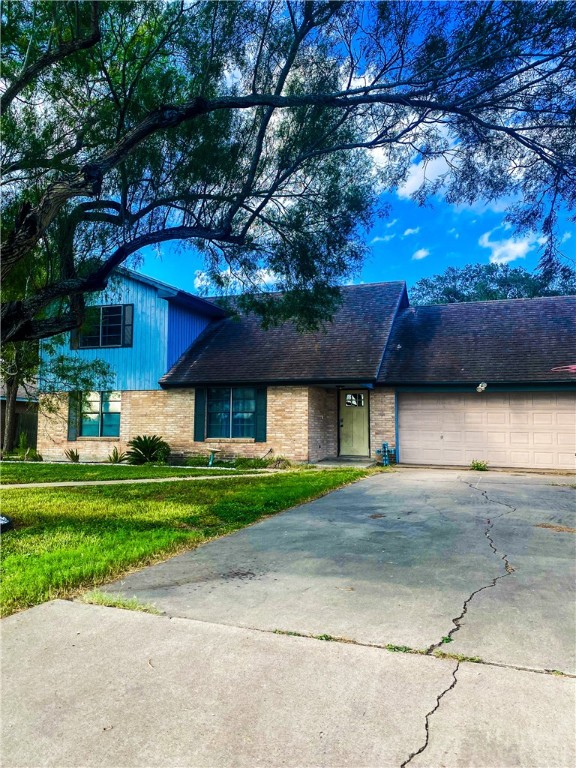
[49, 58]
[20, 318]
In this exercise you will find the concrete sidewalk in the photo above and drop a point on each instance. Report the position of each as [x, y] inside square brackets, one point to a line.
[134, 481]
[91, 686]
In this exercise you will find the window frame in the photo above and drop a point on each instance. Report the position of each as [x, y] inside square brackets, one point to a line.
[126, 328]
[85, 399]
[231, 412]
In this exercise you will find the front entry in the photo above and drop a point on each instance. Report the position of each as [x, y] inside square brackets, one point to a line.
[354, 422]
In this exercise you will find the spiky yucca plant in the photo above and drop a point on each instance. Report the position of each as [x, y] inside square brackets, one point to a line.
[147, 449]
[116, 457]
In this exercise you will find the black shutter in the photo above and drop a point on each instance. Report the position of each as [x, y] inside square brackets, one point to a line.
[260, 415]
[200, 414]
[127, 325]
[74, 402]
[74, 337]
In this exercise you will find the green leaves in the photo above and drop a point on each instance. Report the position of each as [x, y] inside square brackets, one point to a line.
[487, 282]
[274, 173]
[147, 449]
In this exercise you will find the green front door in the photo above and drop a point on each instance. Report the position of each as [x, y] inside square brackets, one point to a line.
[354, 422]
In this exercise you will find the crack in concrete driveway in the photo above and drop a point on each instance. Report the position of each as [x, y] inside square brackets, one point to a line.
[457, 621]
[429, 714]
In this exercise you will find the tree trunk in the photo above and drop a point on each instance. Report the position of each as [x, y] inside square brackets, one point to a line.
[11, 386]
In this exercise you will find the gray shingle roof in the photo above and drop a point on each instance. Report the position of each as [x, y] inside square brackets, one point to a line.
[350, 349]
[519, 340]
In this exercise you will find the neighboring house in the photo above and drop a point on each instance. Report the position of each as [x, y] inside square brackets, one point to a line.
[26, 412]
[382, 371]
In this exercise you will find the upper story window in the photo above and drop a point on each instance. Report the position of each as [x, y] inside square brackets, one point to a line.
[105, 326]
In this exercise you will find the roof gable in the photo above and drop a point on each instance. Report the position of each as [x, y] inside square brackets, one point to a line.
[175, 295]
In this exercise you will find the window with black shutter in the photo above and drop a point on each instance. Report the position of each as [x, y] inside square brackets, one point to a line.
[105, 326]
[230, 412]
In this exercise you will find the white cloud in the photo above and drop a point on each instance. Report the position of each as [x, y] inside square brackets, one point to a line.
[391, 223]
[410, 231]
[566, 236]
[383, 239]
[509, 249]
[420, 172]
[421, 253]
[234, 283]
[454, 232]
[500, 205]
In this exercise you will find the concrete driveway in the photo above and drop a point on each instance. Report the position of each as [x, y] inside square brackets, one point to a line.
[485, 560]
[397, 559]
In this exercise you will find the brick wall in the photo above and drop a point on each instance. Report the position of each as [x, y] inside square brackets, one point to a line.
[382, 419]
[301, 425]
[151, 412]
[322, 423]
[170, 414]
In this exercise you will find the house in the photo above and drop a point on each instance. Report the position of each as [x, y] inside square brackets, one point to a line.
[25, 412]
[442, 384]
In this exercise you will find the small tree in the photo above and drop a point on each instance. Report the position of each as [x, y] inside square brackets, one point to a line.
[486, 282]
[24, 365]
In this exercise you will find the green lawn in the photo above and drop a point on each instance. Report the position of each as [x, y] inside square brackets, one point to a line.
[26, 472]
[67, 539]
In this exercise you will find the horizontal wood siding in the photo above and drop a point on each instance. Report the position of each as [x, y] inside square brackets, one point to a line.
[140, 366]
[184, 325]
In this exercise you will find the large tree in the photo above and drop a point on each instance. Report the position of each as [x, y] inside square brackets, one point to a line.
[249, 131]
[488, 282]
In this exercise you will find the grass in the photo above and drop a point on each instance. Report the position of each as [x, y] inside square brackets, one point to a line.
[21, 472]
[97, 597]
[69, 539]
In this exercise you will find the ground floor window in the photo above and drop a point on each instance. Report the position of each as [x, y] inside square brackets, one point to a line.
[224, 413]
[231, 412]
[94, 414]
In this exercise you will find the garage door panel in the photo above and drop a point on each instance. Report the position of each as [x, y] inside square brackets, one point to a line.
[520, 458]
[543, 419]
[515, 429]
[421, 456]
[519, 438]
[497, 438]
[452, 437]
[542, 459]
[498, 417]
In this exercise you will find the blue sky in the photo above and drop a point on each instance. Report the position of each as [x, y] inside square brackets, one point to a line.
[411, 243]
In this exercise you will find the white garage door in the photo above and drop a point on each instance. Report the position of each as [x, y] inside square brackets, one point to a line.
[515, 429]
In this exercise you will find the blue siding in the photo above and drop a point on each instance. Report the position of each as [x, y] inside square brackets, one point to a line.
[141, 365]
[184, 325]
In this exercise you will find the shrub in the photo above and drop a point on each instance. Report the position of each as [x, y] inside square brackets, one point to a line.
[30, 454]
[147, 449]
[22, 443]
[242, 463]
[479, 466]
[117, 457]
[72, 455]
[280, 462]
[197, 461]
[277, 462]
